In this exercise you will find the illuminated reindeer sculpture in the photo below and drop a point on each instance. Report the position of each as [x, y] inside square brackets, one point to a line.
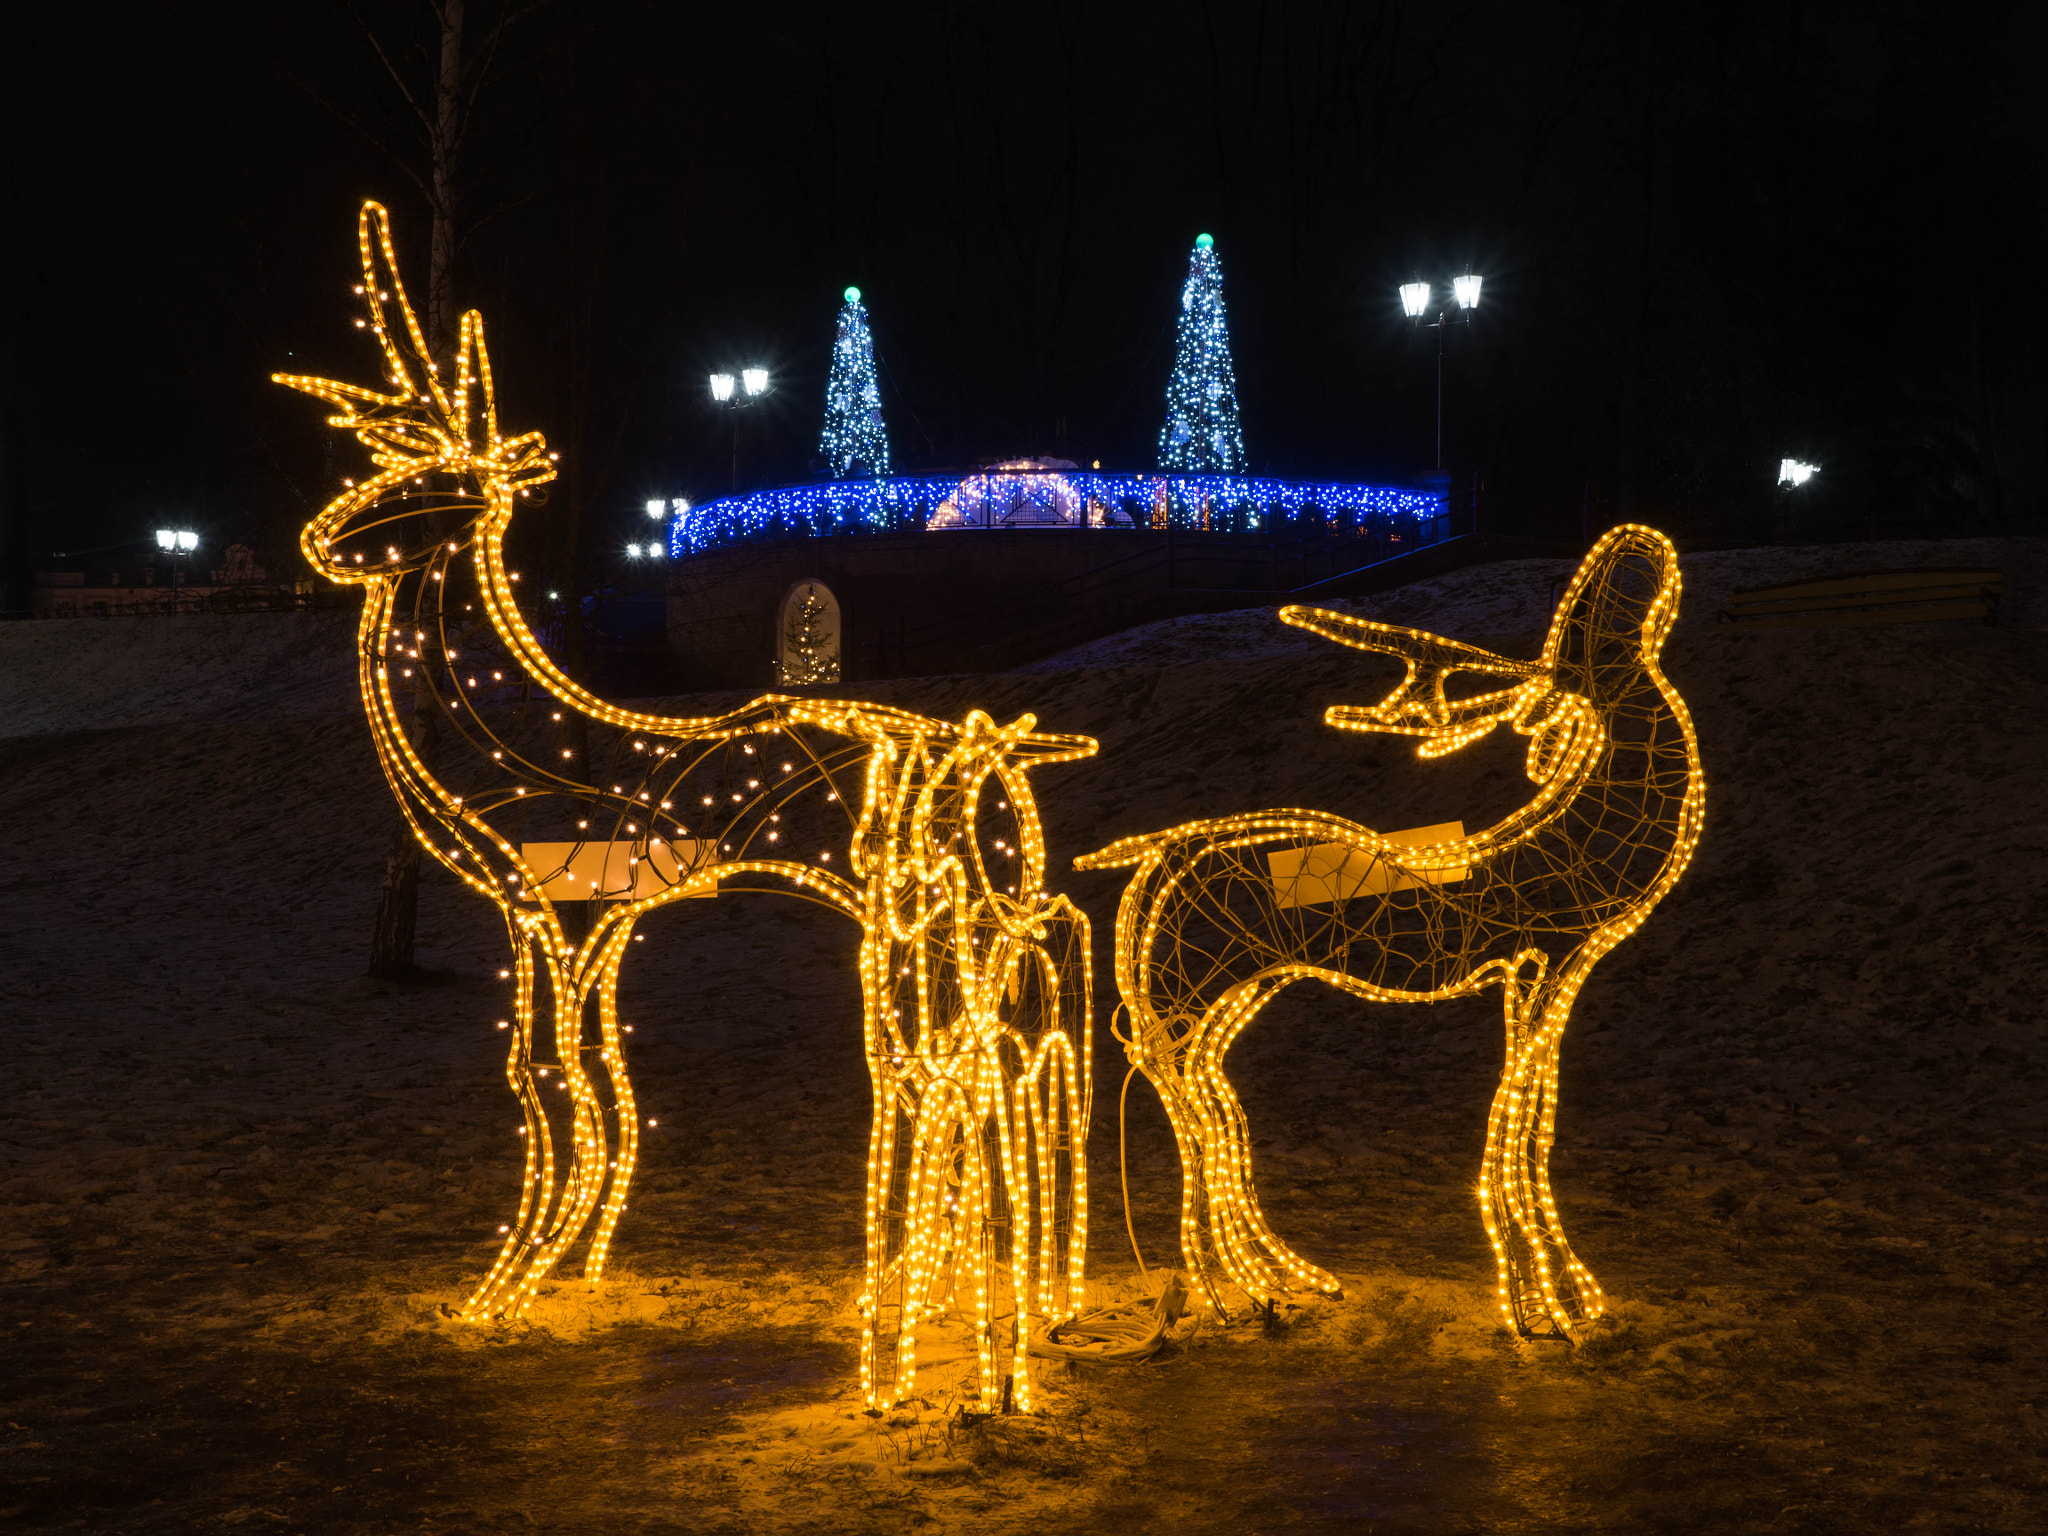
[1221, 915]
[974, 980]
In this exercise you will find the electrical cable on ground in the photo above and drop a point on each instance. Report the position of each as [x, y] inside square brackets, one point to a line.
[1127, 1333]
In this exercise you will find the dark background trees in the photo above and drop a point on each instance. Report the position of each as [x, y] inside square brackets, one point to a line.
[1711, 238]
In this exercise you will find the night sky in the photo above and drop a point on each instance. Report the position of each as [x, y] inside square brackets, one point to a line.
[1709, 239]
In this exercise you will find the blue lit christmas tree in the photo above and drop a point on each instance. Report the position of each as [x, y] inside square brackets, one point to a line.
[853, 441]
[1201, 435]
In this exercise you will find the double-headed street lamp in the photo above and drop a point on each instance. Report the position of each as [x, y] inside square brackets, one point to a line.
[178, 543]
[659, 509]
[755, 382]
[1417, 300]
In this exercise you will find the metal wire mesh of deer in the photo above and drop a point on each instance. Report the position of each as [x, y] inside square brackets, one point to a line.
[1221, 915]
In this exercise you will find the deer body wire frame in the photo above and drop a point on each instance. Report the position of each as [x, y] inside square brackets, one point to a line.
[975, 980]
[1219, 916]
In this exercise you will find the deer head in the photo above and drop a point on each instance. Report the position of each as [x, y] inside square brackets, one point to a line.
[435, 443]
[1604, 641]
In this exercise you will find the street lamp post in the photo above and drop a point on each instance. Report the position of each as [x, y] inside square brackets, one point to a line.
[180, 542]
[1417, 299]
[754, 381]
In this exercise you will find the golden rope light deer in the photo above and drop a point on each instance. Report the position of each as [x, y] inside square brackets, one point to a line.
[1221, 915]
[975, 981]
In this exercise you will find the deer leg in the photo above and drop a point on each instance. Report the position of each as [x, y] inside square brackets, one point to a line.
[1154, 1051]
[1047, 1117]
[1048, 1130]
[1034, 1101]
[550, 1220]
[495, 1294]
[612, 1161]
[928, 1206]
[1233, 1225]
[1543, 1288]
[974, 1241]
[882, 1137]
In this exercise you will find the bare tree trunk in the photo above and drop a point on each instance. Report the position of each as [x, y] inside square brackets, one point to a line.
[394, 936]
[447, 141]
[1628, 445]
[1990, 491]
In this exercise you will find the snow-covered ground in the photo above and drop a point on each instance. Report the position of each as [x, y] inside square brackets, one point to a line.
[1801, 1140]
[1511, 599]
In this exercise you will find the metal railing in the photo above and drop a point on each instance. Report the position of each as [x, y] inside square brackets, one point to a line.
[265, 599]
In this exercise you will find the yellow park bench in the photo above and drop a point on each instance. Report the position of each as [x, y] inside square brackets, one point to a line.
[1875, 597]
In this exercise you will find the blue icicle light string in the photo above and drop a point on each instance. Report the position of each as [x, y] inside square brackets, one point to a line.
[1060, 498]
[853, 441]
[1201, 435]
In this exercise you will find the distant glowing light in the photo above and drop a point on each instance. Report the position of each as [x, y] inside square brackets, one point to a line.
[721, 386]
[176, 538]
[1414, 299]
[1204, 242]
[657, 509]
[853, 295]
[1466, 290]
[755, 380]
[1794, 472]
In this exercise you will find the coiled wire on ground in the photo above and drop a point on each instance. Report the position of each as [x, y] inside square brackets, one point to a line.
[1126, 1333]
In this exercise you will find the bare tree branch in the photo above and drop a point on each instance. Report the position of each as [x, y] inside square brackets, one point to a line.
[391, 69]
[403, 162]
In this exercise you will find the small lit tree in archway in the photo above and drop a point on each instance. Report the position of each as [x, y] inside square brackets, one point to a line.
[811, 654]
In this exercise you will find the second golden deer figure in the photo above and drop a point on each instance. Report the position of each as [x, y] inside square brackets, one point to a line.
[1222, 915]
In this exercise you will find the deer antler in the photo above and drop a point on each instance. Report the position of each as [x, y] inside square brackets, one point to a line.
[1418, 706]
[422, 426]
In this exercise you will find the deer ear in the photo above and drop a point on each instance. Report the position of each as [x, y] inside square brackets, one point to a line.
[1618, 609]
